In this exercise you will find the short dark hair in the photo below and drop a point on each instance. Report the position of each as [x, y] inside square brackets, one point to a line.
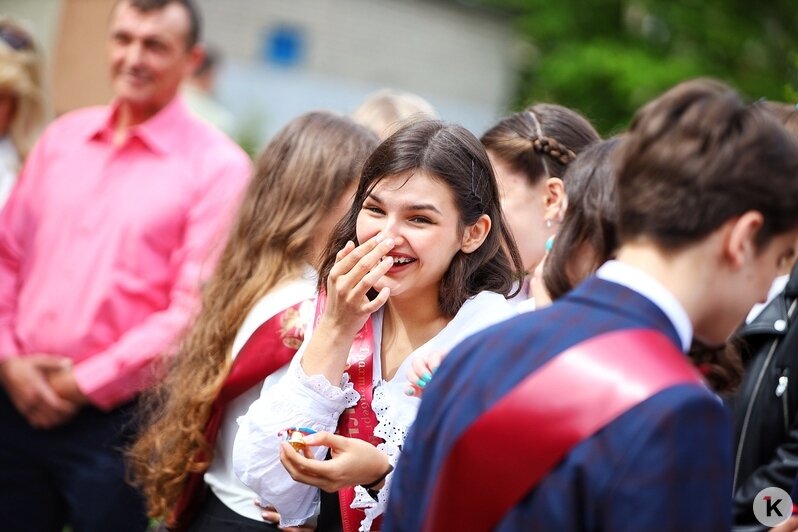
[590, 218]
[540, 141]
[194, 18]
[453, 155]
[698, 156]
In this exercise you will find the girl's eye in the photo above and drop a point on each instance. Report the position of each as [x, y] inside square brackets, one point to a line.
[371, 208]
[420, 220]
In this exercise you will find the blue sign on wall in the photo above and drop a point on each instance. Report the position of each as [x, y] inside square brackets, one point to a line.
[283, 45]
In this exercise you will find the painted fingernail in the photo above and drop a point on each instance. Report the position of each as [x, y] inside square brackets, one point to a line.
[410, 392]
[427, 376]
[388, 260]
[421, 383]
[389, 242]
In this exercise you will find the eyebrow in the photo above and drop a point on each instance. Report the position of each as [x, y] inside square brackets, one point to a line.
[410, 207]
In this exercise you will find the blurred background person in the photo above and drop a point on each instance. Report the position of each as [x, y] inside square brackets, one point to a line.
[386, 110]
[261, 293]
[23, 106]
[198, 93]
[765, 408]
[530, 152]
[104, 244]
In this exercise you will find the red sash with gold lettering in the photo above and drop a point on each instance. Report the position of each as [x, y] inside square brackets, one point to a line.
[358, 421]
[564, 402]
[269, 348]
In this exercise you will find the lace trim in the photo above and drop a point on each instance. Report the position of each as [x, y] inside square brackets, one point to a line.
[392, 426]
[319, 384]
[393, 420]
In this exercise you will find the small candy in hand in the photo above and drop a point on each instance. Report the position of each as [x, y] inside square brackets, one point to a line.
[295, 436]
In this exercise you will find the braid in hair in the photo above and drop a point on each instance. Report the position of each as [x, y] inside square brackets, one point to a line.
[549, 146]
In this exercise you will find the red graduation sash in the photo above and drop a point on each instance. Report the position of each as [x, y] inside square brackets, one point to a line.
[270, 347]
[573, 396]
[358, 421]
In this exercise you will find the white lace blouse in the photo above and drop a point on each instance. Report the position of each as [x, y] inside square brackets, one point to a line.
[311, 401]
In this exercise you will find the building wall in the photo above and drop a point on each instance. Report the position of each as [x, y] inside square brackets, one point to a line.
[456, 57]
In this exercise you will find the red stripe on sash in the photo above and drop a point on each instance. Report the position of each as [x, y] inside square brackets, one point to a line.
[358, 421]
[565, 401]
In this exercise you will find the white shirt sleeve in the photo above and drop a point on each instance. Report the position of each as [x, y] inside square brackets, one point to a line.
[297, 400]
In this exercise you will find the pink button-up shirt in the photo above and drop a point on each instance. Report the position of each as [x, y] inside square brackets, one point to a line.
[103, 248]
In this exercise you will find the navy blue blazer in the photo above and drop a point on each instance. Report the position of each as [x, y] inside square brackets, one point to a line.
[663, 465]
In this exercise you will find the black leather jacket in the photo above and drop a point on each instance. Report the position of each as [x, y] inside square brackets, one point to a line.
[765, 406]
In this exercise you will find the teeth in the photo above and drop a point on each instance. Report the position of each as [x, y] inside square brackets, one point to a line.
[402, 260]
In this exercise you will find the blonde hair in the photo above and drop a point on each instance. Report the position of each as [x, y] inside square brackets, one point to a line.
[21, 74]
[299, 178]
[386, 110]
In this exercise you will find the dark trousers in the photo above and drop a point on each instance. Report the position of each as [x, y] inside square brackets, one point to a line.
[74, 474]
[215, 516]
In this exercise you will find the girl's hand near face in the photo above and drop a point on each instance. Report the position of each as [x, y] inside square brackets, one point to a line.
[355, 272]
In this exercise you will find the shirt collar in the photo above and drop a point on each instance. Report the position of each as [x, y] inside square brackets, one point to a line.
[648, 287]
[161, 133]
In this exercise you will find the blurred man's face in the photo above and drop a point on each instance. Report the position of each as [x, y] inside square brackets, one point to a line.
[149, 55]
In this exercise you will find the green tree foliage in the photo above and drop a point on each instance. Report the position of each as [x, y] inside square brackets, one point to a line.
[607, 57]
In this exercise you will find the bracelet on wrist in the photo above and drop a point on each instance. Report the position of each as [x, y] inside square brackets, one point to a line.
[371, 485]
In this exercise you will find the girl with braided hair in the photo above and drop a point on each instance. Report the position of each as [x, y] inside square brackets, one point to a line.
[530, 152]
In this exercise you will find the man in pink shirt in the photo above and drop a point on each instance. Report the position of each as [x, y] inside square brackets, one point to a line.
[103, 246]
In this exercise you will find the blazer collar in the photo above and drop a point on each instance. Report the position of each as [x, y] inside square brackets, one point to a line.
[600, 293]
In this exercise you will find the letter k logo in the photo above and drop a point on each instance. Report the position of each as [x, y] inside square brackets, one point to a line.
[772, 506]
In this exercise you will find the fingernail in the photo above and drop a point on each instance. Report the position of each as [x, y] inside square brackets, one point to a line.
[427, 376]
[380, 237]
[421, 383]
[389, 242]
[410, 391]
[389, 260]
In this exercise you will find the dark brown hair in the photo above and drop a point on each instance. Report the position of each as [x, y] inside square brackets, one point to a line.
[540, 141]
[698, 156]
[453, 155]
[785, 113]
[299, 177]
[590, 218]
[194, 18]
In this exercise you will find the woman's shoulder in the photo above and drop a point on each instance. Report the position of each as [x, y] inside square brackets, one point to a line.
[488, 302]
[480, 312]
[300, 291]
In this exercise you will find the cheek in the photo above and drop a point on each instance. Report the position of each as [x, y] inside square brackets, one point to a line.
[366, 228]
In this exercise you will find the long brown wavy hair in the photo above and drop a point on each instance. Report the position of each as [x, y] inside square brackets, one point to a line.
[299, 178]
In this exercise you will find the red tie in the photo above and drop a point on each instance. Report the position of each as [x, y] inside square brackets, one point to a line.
[270, 347]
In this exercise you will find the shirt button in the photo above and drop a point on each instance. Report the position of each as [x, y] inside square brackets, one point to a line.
[780, 325]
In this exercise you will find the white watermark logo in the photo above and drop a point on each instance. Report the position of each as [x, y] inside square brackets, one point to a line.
[772, 506]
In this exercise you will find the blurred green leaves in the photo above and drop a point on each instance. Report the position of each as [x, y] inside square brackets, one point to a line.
[607, 57]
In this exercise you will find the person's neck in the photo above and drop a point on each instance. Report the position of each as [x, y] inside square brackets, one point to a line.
[407, 325]
[686, 274]
[416, 320]
[129, 116]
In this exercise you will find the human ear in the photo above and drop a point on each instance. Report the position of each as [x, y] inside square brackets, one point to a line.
[475, 234]
[196, 54]
[739, 245]
[554, 199]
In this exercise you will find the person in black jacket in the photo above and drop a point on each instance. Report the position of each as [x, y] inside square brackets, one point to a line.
[765, 407]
